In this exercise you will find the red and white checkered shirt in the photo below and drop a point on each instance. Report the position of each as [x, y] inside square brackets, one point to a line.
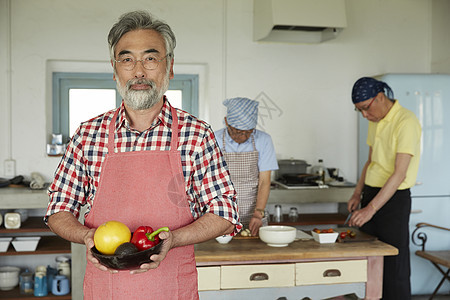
[208, 185]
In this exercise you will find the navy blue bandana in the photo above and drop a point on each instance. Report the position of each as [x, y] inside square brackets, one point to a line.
[367, 87]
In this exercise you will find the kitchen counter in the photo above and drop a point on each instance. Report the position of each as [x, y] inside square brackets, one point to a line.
[243, 251]
[252, 252]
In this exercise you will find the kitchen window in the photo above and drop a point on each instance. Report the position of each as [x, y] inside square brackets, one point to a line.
[78, 97]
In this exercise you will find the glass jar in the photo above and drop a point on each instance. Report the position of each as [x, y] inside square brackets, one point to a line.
[26, 283]
[293, 214]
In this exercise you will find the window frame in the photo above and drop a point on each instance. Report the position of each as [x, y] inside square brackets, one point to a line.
[62, 82]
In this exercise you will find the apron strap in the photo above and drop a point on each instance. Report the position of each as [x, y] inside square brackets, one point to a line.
[112, 127]
[174, 140]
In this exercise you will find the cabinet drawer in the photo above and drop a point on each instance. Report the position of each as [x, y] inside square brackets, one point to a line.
[331, 272]
[208, 278]
[256, 276]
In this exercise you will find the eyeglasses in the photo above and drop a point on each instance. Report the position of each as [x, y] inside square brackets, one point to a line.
[149, 62]
[365, 108]
[234, 131]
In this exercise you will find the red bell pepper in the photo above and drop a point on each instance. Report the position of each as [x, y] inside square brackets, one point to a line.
[144, 237]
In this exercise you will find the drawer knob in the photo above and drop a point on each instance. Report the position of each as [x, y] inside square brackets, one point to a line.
[259, 277]
[332, 273]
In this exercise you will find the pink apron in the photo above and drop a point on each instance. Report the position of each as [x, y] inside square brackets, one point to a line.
[143, 188]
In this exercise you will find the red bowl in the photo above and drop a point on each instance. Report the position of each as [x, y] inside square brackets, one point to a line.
[126, 262]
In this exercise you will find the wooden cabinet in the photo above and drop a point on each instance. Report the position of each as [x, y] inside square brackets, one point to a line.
[12, 198]
[304, 268]
[281, 275]
[48, 244]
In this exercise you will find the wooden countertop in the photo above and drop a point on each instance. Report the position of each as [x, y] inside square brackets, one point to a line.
[240, 251]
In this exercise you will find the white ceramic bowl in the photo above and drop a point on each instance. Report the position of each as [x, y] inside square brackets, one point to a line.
[9, 278]
[26, 243]
[325, 238]
[277, 235]
[4, 243]
[224, 239]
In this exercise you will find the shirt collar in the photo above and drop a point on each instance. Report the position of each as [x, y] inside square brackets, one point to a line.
[163, 116]
[392, 112]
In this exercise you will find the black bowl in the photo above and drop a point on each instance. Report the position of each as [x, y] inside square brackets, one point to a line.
[128, 261]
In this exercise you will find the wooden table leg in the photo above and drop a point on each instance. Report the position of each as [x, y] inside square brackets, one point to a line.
[374, 286]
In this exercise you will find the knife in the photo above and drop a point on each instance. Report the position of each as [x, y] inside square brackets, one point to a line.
[348, 218]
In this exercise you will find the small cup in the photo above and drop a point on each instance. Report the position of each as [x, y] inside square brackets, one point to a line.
[60, 285]
[224, 239]
[12, 220]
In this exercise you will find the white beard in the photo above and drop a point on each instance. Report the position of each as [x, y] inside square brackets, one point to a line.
[142, 99]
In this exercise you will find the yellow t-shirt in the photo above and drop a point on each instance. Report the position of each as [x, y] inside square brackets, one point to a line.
[398, 132]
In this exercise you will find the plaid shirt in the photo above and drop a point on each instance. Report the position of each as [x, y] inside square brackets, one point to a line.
[208, 185]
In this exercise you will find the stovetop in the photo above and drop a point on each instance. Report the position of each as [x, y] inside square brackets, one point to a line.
[299, 186]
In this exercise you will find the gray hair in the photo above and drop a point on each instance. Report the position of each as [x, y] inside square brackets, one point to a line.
[136, 20]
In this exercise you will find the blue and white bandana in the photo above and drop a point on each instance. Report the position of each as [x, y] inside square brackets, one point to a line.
[242, 113]
[367, 87]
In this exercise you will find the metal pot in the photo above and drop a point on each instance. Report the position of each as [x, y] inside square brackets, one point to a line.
[291, 166]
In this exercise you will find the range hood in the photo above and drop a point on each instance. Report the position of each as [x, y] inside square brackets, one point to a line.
[298, 21]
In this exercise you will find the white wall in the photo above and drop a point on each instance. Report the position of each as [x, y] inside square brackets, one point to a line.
[311, 84]
[440, 59]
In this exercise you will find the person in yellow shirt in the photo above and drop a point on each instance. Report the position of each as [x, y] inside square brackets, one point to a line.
[381, 202]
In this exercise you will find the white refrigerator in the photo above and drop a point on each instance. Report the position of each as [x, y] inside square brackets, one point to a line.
[428, 96]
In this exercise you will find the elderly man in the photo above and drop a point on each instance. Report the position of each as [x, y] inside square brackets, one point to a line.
[145, 163]
[390, 171]
[250, 156]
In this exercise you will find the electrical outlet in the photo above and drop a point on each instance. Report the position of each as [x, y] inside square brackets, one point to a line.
[10, 168]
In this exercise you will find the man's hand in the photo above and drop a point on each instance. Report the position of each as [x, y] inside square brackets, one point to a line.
[89, 242]
[254, 225]
[167, 240]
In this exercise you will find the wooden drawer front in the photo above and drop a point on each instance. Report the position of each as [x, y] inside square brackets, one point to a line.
[208, 278]
[331, 272]
[256, 276]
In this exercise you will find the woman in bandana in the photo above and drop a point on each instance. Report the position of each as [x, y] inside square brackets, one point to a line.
[381, 202]
[250, 156]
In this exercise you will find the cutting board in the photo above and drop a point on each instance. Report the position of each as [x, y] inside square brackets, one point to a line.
[240, 237]
[360, 236]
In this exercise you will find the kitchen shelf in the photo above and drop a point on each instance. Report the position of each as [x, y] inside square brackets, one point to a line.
[15, 294]
[312, 219]
[46, 245]
[32, 224]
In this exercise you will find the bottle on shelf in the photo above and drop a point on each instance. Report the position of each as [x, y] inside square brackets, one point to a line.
[26, 283]
[320, 170]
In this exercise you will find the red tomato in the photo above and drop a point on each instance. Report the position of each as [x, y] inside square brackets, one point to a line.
[343, 234]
